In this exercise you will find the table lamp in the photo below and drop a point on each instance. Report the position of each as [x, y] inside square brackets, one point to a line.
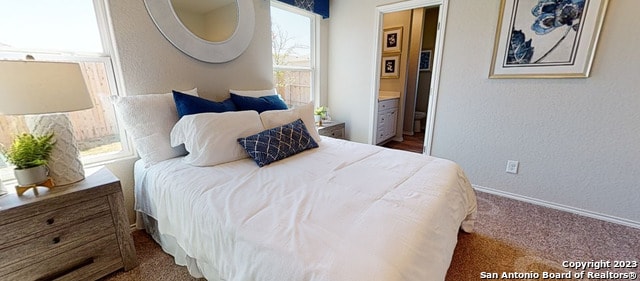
[44, 91]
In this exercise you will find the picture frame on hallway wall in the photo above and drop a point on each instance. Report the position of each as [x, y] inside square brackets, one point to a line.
[546, 39]
[392, 40]
[390, 67]
[425, 60]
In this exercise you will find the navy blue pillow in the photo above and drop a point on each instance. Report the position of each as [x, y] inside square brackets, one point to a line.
[278, 143]
[271, 102]
[187, 105]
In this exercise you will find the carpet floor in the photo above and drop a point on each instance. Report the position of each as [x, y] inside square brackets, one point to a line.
[511, 237]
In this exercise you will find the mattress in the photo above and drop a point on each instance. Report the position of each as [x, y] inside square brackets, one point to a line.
[343, 211]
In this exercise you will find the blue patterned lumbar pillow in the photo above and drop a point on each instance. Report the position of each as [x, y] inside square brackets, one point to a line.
[278, 143]
[271, 102]
[187, 105]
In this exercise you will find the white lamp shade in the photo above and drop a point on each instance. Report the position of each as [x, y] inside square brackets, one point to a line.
[34, 87]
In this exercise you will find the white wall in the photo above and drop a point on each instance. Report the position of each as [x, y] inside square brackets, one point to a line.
[350, 65]
[577, 140]
[150, 64]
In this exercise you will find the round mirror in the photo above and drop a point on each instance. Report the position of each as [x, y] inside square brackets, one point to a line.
[207, 30]
[213, 20]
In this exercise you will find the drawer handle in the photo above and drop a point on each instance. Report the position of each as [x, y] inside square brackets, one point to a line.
[50, 221]
[56, 240]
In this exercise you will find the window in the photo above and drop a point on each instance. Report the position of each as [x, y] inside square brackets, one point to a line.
[65, 30]
[293, 34]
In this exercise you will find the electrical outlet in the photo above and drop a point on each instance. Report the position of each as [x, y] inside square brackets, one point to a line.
[512, 166]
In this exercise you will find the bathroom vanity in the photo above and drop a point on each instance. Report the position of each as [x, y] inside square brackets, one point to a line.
[387, 118]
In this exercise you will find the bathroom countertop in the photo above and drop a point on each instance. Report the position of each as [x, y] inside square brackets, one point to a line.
[387, 95]
[381, 98]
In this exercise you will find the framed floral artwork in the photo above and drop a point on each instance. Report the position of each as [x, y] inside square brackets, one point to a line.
[392, 40]
[546, 38]
[425, 60]
[390, 67]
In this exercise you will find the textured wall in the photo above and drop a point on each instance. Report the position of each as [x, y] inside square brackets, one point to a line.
[350, 66]
[151, 64]
[577, 140]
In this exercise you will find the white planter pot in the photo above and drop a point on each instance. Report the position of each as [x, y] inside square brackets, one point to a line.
[30, 176]
[3, 190]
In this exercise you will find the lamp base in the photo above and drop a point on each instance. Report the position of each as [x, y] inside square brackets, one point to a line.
[65, 166]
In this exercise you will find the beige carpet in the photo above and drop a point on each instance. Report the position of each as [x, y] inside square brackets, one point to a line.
[511, 236]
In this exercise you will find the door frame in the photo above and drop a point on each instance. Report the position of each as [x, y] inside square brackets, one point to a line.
[437, 63]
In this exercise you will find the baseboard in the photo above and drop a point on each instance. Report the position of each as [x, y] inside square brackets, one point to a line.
[560, 207]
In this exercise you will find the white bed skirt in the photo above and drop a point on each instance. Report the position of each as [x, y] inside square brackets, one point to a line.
[169, 245]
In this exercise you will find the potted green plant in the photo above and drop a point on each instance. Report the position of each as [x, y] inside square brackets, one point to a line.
[320, 113]
[29, 154]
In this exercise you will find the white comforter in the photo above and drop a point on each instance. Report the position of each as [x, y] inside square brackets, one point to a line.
[343, 211]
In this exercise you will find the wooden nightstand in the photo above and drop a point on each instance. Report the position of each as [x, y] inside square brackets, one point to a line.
[74, 232]
[332, 129]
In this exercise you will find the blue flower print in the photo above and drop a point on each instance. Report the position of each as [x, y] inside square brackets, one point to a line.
[520, 51]
[555, 13]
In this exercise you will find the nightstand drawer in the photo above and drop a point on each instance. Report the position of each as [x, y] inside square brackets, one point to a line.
[20, 230]
[337, 133]
[73, 232]
[81, 263]
[333, 129]
[48, 245]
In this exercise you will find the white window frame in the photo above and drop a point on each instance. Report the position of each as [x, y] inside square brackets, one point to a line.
[314, 66]
[114, 76]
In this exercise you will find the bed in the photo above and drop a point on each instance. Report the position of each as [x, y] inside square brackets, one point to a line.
[343, 211]
[339, 211]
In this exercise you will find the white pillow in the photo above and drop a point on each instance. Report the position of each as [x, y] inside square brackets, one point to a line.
[212, 138]
[149, 120]
[275, 118]
[255, 94]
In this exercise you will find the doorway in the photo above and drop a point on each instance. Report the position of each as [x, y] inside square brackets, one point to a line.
[421, 26]
[419, 86]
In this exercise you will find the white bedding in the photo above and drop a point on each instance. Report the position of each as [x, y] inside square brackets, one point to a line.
[343, 211]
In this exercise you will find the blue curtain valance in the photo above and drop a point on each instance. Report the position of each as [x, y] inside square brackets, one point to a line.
[320, 7]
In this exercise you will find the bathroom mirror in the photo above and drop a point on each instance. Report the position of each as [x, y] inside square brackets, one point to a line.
[208, 30]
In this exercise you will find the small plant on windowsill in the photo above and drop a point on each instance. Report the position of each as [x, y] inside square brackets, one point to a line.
[320, 113]
[29, 154]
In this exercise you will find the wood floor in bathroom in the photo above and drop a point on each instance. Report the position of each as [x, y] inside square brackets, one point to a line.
[410, 143]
